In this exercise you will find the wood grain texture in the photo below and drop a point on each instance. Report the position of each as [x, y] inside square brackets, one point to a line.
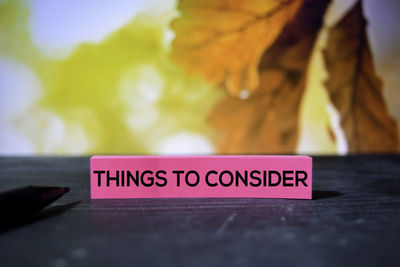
[353, 220]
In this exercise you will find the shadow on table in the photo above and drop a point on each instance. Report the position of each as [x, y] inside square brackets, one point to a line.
[321, 194]
[8, 225]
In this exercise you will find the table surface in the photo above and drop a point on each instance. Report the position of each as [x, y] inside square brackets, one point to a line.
[354, 219]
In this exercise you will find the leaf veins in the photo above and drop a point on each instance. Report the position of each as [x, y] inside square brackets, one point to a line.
[267, 121]
[223, 40]
[355, 89]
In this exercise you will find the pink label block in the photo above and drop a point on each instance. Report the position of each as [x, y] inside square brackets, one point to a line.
[201, 176]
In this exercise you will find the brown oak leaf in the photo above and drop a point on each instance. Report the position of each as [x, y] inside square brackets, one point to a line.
[267, 121]
[223, 40]
[355, 89]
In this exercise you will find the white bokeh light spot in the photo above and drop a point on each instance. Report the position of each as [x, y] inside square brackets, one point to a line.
[185, 143]
[57, 27]
[141, 88]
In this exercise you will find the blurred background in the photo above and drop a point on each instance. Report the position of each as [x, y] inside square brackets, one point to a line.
[96, 77]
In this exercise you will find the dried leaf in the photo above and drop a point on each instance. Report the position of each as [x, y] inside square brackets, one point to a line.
[267, 121]
[223, 40]
[355, 89]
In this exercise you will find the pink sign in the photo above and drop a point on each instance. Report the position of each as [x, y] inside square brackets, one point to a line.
[201, 176]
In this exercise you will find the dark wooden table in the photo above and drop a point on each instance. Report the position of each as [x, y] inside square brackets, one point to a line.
[353, 220]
